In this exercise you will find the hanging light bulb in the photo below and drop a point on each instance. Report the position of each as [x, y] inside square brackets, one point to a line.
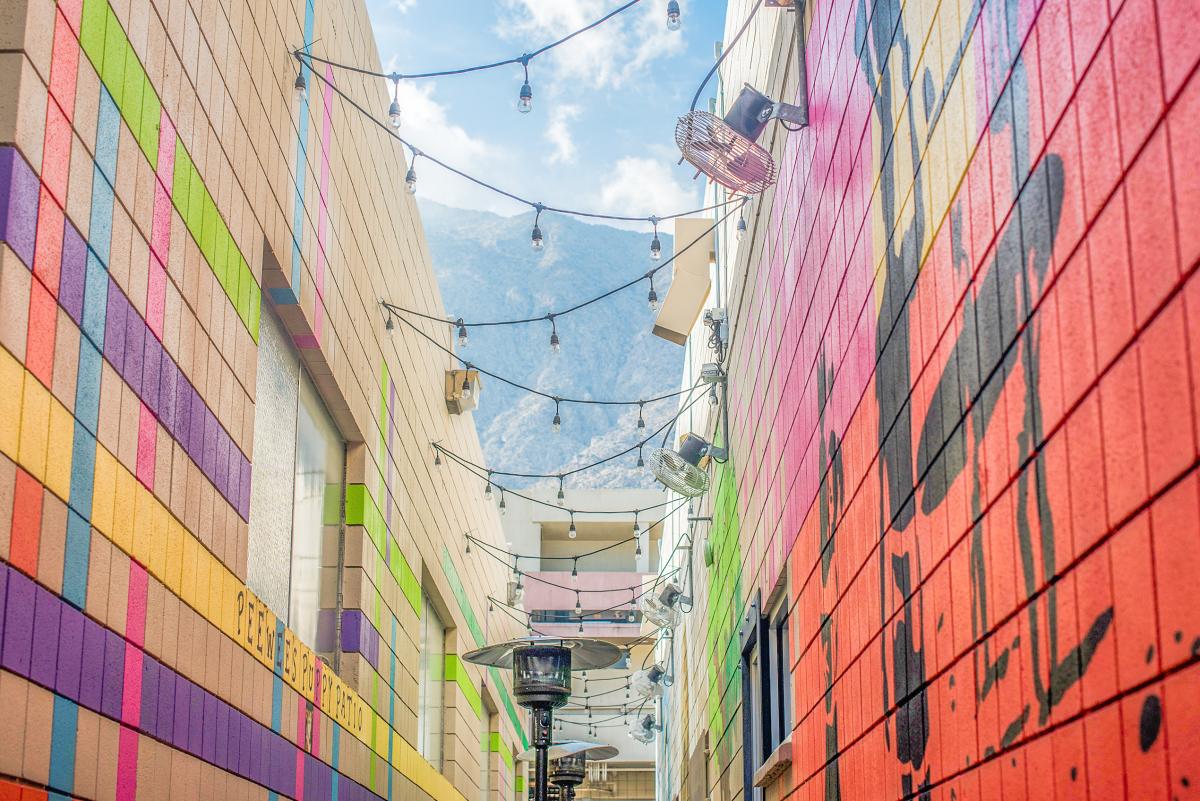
[713, 401]
[581, 625]
[536, 239]
[525, 101]
[562, 498]
[741, 228]
[487, 492]
[640, 462]
[641, 420]
[462, 333]
[578, 605]
[673, 15]
[489, 606]
[437, 458]
[555, 344]
[466, 384]
[556, 424]
[571, 532]
[652, 299]
[502, 503]
[394, 108]
[468, 544]
[410, 181]
[390, 325]
[655, 244]
[300, 87]
[575, 580]
[638, 551]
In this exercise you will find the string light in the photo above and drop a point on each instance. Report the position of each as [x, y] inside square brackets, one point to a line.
[673, 21]
[394, 108]
[555, 343]
[466, 384]
[390, 325]
[741, 228]
[305, 58]
[655, 244]
[300, 87]
[562, 498]
[437, 458]
[536, 239]
[641, 420]
[575, 580]
[502, 503]
[637, 535]
[571, 532]
[525, 101]
[640, 462]
[487, 493]
[410, 180]
[713, 401]
[556, 424]
[468, 545]
[652, 297]
[578, 605]
[462, 333]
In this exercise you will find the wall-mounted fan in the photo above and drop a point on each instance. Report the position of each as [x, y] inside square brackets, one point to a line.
[643, 730]
[727, 150]
[662, 608]
[683, 470]
[651, 682]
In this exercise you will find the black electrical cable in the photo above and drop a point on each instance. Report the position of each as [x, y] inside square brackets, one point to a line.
[549, 505]
[560, 399]
[725, 52]
[641, 443]
[459, 322]
[301, 57]
[522, 59]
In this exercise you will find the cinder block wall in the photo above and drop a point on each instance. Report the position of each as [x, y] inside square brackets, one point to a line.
[963, 385]
[159, 188]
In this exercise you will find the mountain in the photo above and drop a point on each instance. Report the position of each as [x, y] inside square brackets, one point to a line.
[487, 270]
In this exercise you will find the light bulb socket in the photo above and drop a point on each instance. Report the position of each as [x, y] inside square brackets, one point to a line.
[301, 86]
[652, 299]
[741, 228]
[655, 249]
[394, 114]
[410, 181]
[462, 334]
[525, 100]
[536, 239]
[673, 15]
[555, 345]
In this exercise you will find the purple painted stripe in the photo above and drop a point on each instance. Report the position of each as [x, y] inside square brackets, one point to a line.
[139, 358]
[211, 729]
[18, 204]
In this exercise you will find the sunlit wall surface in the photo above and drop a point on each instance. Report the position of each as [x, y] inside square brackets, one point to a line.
[218, 511]
[962, 404]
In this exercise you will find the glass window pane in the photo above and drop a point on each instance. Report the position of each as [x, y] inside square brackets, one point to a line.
[429, 692]
[316, 504]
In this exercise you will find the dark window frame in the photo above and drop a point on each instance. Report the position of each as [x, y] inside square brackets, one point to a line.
[767, 715]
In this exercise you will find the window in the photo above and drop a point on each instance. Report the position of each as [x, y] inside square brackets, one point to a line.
[766, 688]
[316, 503]
[430, 713]
[487, 721]
[297, 488]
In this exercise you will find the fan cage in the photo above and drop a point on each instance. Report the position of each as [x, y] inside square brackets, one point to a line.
[671, 469]
[724, 155]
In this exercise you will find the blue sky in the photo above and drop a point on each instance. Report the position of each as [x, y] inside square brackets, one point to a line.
[601, 133]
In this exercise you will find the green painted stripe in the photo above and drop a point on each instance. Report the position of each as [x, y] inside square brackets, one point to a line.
[457, 673]
[106, 45]
[498, 747]
[464, 605]
[362, 511]
[520, 784]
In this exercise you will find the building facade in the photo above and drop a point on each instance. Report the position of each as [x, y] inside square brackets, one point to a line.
[228, 565]
[952, 552]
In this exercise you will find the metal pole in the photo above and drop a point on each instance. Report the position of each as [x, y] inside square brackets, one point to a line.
[541, 744]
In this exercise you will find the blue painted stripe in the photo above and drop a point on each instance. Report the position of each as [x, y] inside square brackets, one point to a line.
[76, 558]
[62, 744]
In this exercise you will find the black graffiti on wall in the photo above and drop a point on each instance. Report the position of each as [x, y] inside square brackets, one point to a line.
[831, 502]
[996, 342]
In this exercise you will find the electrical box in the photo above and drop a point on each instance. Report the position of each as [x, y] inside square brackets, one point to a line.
[462, 390]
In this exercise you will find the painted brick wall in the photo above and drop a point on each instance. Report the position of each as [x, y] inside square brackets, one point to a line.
[964, 403]
[158, 185]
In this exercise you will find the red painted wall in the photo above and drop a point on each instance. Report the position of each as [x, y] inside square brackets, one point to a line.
[971, 434]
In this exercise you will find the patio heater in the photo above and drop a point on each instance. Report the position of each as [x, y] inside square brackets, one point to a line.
[568, 763]
[541, 678]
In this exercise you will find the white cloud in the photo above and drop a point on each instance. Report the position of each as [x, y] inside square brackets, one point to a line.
[647, 183]
[607, 56]
[558, 134]
[426, 120]
[402, 5]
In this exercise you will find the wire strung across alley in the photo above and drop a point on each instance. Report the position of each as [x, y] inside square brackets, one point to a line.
[466, 325]
[637, 446]
[522, 59]
[652, 219]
